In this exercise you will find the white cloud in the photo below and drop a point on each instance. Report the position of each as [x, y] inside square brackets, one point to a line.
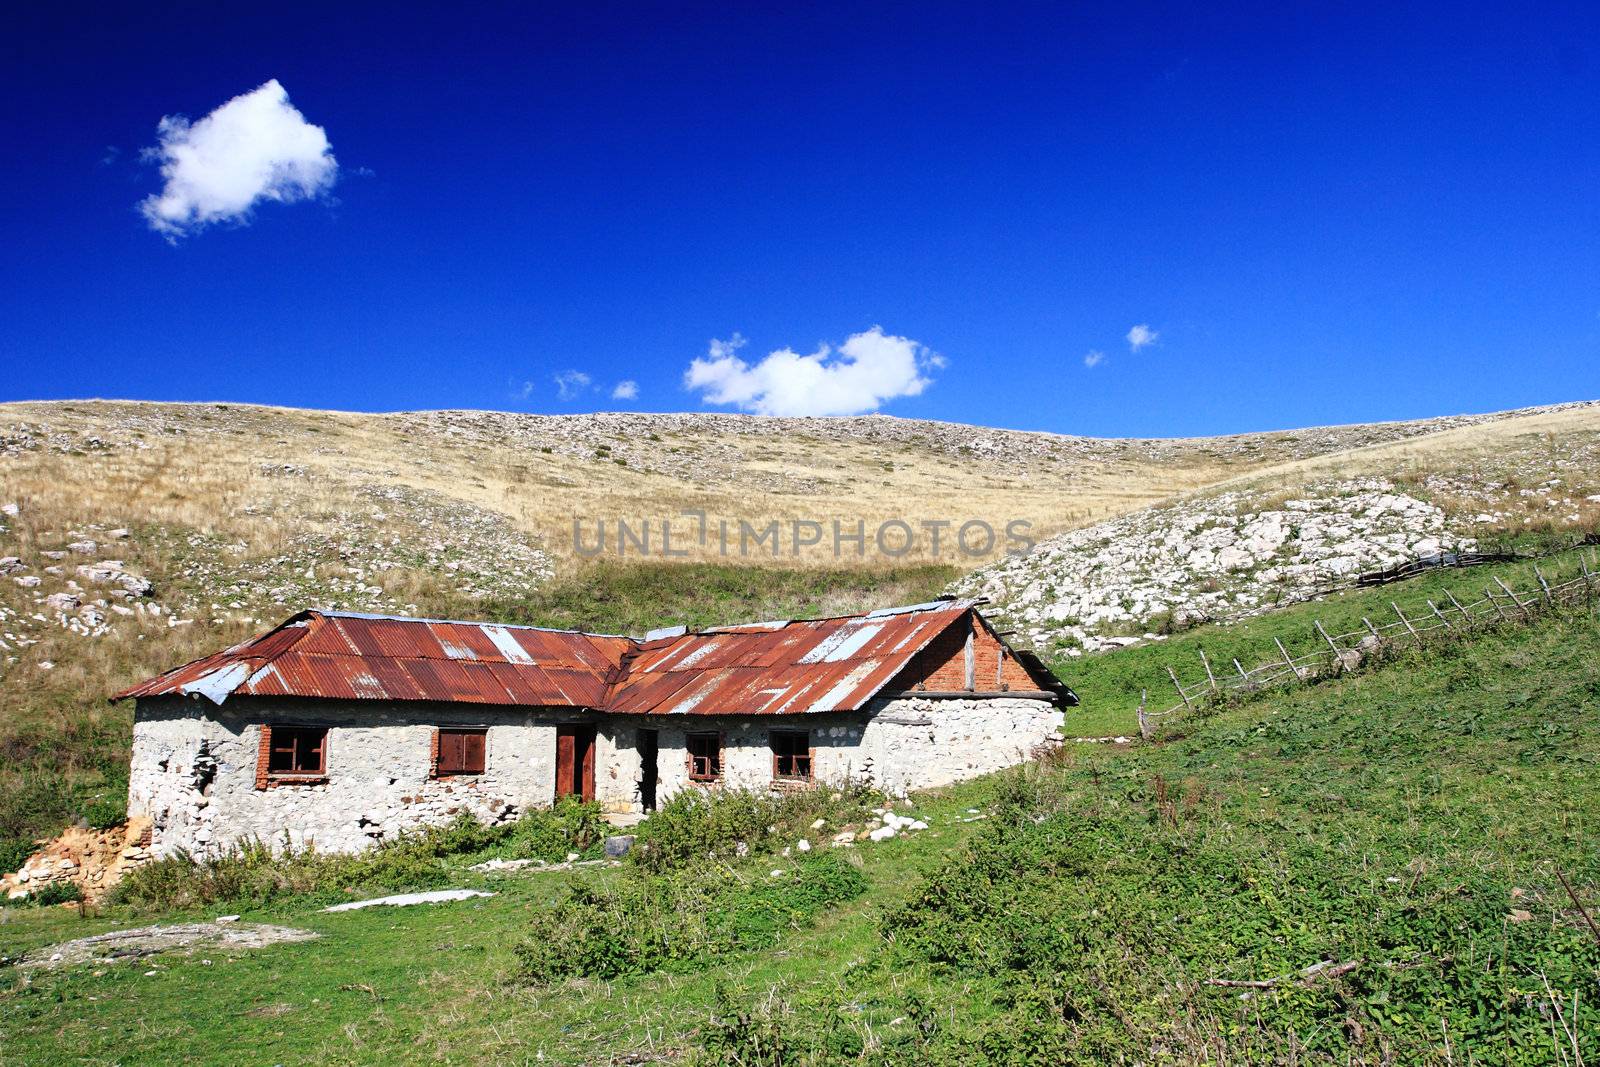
[255, 147]
[860, 375]
[524, 391]
[628, 390]
[1093, 358]
[1141, 336]
[571, 384]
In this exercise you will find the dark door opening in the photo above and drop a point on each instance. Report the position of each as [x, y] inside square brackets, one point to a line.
[649, 775]
[575, 761]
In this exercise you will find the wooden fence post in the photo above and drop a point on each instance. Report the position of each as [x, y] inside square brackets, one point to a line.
[1174, 676]
[1520, 605]
[1209, 676]
[1338, 657]
[1409, 627]
[1442, 619]
[1376, 635]
[1287, 659]
[1144, 724]
[1457, 603]
[1549, 602]
[1494, 603]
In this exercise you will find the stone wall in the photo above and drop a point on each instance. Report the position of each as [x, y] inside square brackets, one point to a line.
[193, 772]
[194, 767]
[920, 743]
[897, 745]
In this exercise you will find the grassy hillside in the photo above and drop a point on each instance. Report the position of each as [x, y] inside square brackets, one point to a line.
[1379, 854]
[1109, 684]
[238, 516]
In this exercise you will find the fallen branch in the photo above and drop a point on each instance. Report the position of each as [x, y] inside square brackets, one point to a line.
[1311, 974]
[1593, 929]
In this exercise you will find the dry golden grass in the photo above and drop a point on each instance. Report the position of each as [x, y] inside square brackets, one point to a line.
[218, 476]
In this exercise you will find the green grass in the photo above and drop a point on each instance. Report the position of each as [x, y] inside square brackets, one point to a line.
[1108, 684]
[1410, 819]
[630, 598]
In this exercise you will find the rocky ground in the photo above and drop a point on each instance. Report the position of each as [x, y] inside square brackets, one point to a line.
[1224, 556]
[1216, 558]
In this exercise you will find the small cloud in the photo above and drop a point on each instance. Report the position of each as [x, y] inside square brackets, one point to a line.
[255, 147]
[571, 384]
[628, 390]
[864, 372]
[1141, 336]
[1093, 358]
[522, 392]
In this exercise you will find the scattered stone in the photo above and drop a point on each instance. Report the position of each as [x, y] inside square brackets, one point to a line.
[28, 581]
[618, 846]
[67, 603]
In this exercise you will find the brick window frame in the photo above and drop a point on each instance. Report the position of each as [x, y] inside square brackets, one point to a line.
[702, 767]
[467, 767]
[267, 777]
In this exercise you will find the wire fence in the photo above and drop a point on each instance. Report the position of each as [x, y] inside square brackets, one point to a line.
[1342, 652]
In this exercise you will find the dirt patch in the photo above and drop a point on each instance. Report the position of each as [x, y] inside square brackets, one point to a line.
[149, 940]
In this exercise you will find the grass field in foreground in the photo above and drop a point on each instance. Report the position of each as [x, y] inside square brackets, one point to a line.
[1407, 823]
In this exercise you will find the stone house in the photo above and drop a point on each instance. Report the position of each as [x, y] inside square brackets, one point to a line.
[343, 729]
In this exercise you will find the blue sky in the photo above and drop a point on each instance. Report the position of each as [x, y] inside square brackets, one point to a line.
[936, 210]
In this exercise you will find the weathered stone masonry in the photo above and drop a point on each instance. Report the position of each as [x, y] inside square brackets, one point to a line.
[339, 730]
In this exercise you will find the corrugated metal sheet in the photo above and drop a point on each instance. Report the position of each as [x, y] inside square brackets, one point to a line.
[373, 657]
[770, 668]
[779, 668]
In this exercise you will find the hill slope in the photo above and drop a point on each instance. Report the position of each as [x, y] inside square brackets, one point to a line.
[1363, 871]
[135, 535]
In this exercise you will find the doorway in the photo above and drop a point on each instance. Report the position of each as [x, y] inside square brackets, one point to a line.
[575, 761]
[649, 774]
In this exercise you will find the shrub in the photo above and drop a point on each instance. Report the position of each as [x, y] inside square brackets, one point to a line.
[14, 853]
[646, 922]
[106, 811]
[696, 826]
[256, 872]
[53, 893]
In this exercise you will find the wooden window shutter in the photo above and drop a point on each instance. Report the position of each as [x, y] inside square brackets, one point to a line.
[263, 756]
[474, 749]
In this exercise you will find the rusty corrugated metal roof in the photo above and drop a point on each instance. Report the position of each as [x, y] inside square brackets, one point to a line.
[779, 668]
[342, 655]
[785, 667]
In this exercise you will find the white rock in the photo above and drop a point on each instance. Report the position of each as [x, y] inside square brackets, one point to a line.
[803, 845]
[882, 833]
[401, 900]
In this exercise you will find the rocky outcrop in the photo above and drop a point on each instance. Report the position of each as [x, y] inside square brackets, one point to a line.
[1214, 558]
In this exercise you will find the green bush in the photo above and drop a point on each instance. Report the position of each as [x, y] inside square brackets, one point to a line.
[14, 853]
[428, 858]
[696, 826]
[53, 893]
[106, 811]
[644, 922]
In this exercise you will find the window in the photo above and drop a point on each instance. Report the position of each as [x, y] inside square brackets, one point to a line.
[461, 751]
[791, 754]
[297, 750]
[705, 757]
